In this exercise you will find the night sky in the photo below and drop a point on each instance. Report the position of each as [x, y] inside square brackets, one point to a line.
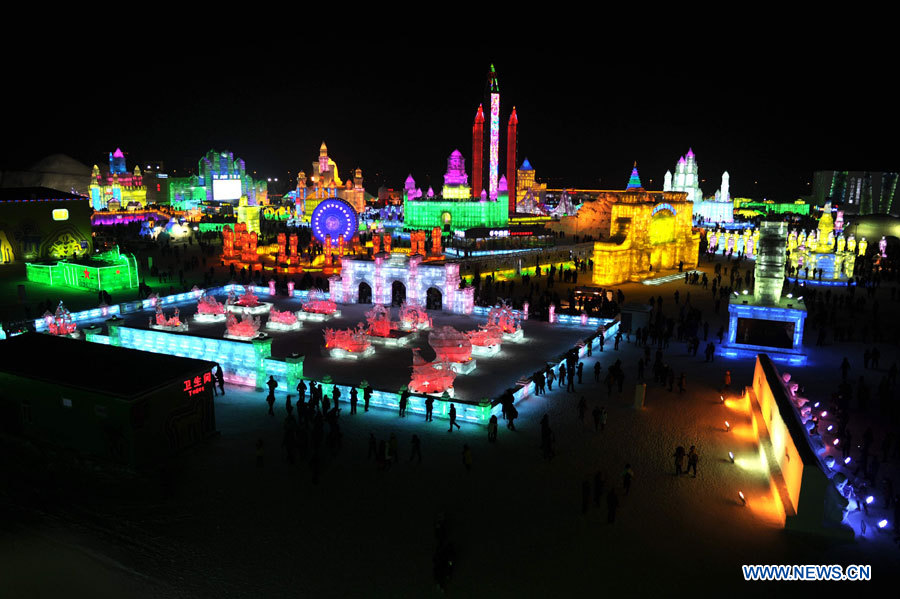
[400, 107]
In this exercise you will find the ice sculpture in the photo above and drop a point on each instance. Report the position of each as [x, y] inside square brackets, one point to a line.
[348, 343]
[430, 377]
[450, 345]
[161, 323]
[413, 317]
[317, 304]
[243, 330]
[209, 309]
[282, 321]
[379, 320]
[247, 303]
[61, 323]
[503, 318]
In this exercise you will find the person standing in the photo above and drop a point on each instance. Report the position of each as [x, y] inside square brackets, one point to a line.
[627, 477]
[679, 460]
[550, 377]
[599, 483]
[492, 429]
[354, 399]
[429, 408]
[570, 377]
[597, 368]
[580, 371]
[612, 503]
[726, 382]
[452, 418]
[367, 395]
[301, 391]
[373, 447]
[511, 414]
[416, 448]
[259, 452]
[404, 398]
[220, 379]
[272, 384]
[693, 458]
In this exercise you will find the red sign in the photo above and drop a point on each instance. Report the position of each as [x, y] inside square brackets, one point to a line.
[197, 384]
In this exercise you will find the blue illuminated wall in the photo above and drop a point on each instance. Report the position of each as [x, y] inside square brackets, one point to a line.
[794, 355]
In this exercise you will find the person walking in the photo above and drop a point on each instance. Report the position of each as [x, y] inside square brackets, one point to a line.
[452, 418]
[416, 448]
[627, 477]
[599, 483]
[679, 460]
[511, 414]
[693, 458]
[845, 368]
[373, 447]
[612, 503]
[220, 379]
[467, 458]
[301, 392]
[596, 414]
[404, 398]
[270, 398]
[259, 453]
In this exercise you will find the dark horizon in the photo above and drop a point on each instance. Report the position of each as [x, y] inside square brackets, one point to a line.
[583, 118]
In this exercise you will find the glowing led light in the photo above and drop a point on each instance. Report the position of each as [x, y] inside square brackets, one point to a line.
[722, 398]
[830, 427]
[869, 500]
[816, 405]
[727, 427]
[882, 523]
[731, 457]
[743, 499]
[847, 460]
[835, 442]
[824, 413]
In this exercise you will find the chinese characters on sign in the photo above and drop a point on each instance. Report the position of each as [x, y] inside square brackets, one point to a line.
[197, 384]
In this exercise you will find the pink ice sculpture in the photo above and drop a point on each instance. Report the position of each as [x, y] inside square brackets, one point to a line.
[60, 323]
[317, 304]
[207, 304]
[430, 377]
[247, 327]
[450, 345]
[413, 316]
[379, 320]
[503, 317]
[485, 336]
[162, 321]
[350, 340]
[286, 317]
[248, 299]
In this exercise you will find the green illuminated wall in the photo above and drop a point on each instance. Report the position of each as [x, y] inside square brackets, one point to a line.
[460, 215]
[110, 271]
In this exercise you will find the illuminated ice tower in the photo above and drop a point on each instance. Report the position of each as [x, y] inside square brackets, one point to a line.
[494, 154]
[478, 153]
[512, 132]
[686, 178]
[766, 322]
